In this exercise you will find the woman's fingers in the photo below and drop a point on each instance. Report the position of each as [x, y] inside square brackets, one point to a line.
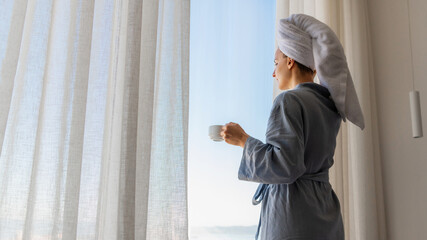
[233, 133]
[226, 130]
[229, 132]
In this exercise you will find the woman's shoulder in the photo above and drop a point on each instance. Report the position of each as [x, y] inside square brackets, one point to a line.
[288, 96]
[288, 102]
[304, 92]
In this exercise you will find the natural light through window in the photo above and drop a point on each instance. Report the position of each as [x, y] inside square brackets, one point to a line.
[231, 62]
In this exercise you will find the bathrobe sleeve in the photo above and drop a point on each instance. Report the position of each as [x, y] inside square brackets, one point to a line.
[281, 159]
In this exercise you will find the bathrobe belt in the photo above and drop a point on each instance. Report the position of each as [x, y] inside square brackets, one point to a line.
[262, 190]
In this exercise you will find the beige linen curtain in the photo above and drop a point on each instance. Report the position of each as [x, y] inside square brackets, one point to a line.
[356, 175]
[94, 119]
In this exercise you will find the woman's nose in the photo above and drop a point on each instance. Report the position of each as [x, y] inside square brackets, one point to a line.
[274, 73]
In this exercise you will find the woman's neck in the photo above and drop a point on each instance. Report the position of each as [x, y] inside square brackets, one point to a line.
[300, 79]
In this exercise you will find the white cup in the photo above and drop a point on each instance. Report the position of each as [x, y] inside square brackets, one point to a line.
[215, 133]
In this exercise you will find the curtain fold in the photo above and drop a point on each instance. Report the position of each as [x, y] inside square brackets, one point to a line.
[94, 119]
[356, 175]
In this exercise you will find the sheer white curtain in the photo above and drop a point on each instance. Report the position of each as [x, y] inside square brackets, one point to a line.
[93, 119]
[356, 175]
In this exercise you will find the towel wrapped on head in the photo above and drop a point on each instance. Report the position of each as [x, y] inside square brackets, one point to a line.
[313, 44]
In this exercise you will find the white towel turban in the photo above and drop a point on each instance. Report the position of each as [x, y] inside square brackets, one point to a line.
[313, 44]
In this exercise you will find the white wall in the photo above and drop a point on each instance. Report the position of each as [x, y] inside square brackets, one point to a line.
[404, 159]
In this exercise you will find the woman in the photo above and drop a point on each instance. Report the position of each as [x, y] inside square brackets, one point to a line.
[298, 201]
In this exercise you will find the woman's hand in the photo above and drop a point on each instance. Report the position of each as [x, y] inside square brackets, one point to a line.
[234, 134]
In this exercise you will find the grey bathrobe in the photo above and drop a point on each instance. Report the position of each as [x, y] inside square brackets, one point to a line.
[292, 166]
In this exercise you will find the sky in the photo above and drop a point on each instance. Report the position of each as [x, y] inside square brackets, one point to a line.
[231, 65]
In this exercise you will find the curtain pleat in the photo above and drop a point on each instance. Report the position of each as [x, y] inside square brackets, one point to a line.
[94, 119]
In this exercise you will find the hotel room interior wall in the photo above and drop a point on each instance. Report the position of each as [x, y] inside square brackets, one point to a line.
[404, 159]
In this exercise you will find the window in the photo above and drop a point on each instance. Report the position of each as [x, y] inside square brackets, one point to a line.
[231, 62]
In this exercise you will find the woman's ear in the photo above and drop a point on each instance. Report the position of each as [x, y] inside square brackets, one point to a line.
[290, 62]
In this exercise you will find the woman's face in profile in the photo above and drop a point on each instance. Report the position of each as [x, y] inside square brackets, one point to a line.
[281, 72]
